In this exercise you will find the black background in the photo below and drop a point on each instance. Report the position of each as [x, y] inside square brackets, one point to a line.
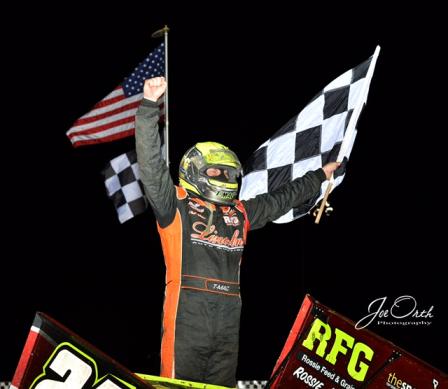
[236, 75]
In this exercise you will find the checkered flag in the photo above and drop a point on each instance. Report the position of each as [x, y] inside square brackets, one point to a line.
[324, 131]
[251, 384]
[122, 180]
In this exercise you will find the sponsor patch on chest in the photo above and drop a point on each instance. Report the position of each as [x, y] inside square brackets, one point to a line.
[230, 216]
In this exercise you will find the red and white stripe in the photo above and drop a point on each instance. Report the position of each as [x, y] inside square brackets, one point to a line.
[110, 119]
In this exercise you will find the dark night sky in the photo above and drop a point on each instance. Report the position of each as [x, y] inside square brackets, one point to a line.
[236, 76]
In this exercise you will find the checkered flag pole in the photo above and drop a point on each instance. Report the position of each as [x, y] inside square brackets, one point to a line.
[350, 133]
[324, 131]
[123, 185]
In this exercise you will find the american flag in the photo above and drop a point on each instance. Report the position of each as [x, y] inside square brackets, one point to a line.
[113, 117]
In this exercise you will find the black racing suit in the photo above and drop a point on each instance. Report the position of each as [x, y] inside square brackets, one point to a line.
[202, 245]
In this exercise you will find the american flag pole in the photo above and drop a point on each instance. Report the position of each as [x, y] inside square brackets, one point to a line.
[159, 33]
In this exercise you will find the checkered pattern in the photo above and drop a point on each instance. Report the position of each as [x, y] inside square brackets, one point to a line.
[324, 131]
[251, 384]
[122, 180]
[4, 385]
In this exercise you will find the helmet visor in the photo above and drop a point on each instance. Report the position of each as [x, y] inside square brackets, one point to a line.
[221, 173]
